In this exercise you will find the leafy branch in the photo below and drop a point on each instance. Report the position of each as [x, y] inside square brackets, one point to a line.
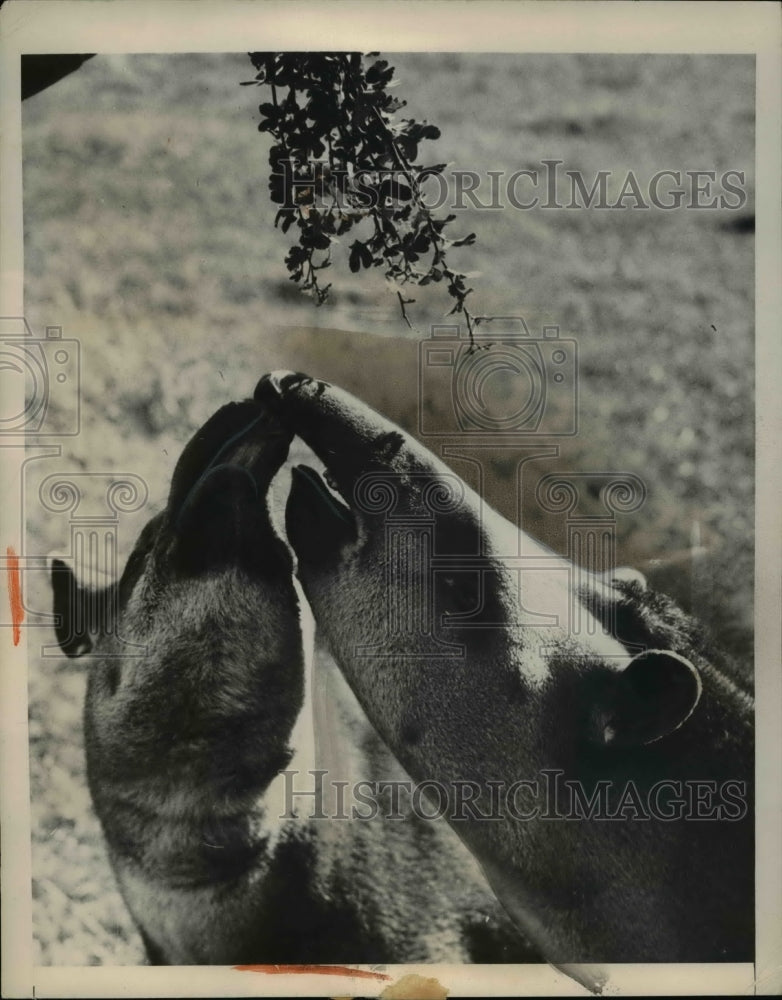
[340, 158]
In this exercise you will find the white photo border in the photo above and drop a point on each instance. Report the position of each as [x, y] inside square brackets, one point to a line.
[49, 26]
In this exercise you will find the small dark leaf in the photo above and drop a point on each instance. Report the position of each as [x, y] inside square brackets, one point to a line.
[375, 71]
[421, 243]
[394, 190]
[366, 255]
[354, 261]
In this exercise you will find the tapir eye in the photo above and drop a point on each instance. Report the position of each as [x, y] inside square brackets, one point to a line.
[111, 675]
[459, 592]
[331, 482]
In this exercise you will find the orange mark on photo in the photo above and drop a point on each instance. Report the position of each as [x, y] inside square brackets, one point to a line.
[15, 594]
[318, 970]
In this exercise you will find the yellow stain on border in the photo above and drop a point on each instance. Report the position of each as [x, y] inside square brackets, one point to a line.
[415, 987]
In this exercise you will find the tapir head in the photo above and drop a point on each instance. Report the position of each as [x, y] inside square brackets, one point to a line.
[438, 629]
[196, 665]
[417, 581]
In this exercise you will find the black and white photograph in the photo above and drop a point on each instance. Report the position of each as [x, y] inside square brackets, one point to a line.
[390, 519]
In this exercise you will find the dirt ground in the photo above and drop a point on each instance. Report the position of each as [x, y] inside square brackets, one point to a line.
[149, 239]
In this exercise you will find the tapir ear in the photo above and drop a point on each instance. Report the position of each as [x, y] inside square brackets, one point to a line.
[71, 609]
[649, 699]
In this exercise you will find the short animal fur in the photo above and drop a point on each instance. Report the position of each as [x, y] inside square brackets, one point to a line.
[522, 699]
[186, 739]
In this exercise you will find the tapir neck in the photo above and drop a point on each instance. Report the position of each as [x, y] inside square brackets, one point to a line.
[668, 876]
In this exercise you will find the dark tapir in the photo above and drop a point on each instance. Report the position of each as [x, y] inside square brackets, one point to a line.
[625, 833]
[187, 733]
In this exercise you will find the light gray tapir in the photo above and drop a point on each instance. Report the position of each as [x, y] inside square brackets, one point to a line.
[187, 734]
[647, 856]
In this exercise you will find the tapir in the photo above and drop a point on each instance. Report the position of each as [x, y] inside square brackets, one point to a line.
[609, 767]
[201, 706]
